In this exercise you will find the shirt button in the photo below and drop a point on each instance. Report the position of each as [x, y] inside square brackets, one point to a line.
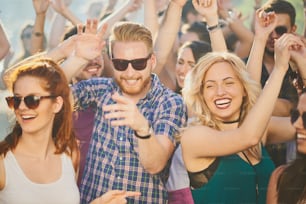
[120, 158]
[118, 177]
[121, 138]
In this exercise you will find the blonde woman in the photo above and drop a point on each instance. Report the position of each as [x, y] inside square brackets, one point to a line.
[223, 149]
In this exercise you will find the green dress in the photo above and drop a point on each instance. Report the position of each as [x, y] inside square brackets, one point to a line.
[234, 181]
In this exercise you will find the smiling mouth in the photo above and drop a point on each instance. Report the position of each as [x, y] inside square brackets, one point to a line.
[300, 136]
[27, 117]
[92, 68]
[222, 103]
[131, 82]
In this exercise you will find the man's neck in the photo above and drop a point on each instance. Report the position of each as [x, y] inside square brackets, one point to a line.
[268, 61]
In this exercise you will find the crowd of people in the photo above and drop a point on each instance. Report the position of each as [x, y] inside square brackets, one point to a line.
[190, 106]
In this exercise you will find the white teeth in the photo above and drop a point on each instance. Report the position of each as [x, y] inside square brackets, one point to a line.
[182, 77]
[222, 101]
[131, 81]
[300, 136]
[27, 116]
[92, 70]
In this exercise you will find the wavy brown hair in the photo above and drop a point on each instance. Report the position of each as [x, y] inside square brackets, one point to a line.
[291, 185]
[53, 81]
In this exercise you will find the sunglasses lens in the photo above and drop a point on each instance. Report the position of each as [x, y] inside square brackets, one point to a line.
[139, 64]
[11, 101]
[304, 119]
[295, 114]
[31, 102]
[120, 64]
[280, 30]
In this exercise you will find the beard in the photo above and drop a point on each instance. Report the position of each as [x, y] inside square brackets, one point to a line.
[134, 90]
[269, 52]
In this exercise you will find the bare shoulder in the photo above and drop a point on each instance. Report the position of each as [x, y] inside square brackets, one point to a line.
[272, 194]
[2, 172]
[278, 171]
[276, 174]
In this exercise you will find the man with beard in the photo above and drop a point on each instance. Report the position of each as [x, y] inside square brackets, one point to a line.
[136, 117]
[285, 23]
[285, 15]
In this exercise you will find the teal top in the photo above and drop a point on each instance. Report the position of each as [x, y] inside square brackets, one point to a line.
[234, 181]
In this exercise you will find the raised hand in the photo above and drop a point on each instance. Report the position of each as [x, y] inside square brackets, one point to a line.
[207, 8]
[298, 62]
[89, 44]
[264, 23]
[284, 46]
[125, 112]
[298, 56]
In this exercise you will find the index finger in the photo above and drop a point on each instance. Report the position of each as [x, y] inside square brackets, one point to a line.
[102, 30]
[132, 193]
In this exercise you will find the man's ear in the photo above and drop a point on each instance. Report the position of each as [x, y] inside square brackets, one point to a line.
[153, 61]
[57, 106]
[293, 28]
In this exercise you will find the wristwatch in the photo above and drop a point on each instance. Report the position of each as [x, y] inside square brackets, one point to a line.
[144, 136]
[214, 27]
[37, 34]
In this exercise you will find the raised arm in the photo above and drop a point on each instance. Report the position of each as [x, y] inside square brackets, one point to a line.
[4, 53]
[235, 22]
[210, 14]
[37, 40]
[150, 17]
[87, 46]
[5, 45]
[264, 25]
[59, 21]
[61, 7]
[167, 33]
[117, 15]
[203, 141]
[76, 51]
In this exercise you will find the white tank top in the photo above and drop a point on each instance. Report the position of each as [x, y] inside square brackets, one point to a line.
[19, 189]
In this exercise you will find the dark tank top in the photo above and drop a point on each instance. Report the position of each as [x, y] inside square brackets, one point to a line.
[230, 179]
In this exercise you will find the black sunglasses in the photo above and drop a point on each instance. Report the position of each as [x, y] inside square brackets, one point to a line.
[280, 30]
[295, 114]
[30, 101]
[137, 64]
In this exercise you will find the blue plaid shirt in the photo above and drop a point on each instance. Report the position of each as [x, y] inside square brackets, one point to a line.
[113, 158]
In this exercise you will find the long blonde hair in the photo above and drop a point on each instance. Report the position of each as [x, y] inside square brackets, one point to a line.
[193, 88]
